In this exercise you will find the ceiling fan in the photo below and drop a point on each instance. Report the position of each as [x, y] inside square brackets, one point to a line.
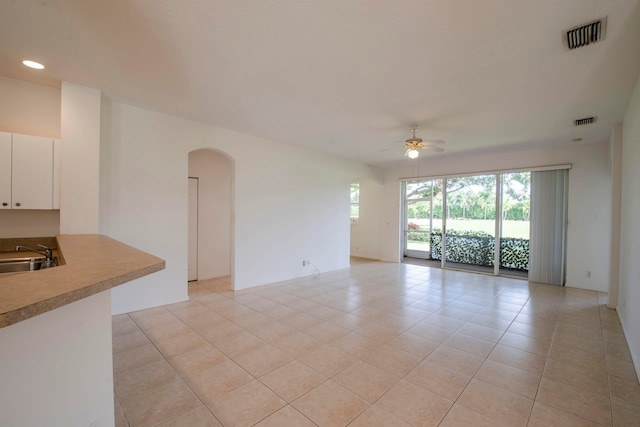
[414, 144]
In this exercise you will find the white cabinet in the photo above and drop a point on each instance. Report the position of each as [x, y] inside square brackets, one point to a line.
[27, 172]
[5, 170]
[31, 172]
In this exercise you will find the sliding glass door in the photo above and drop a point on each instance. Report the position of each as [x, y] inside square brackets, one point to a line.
[470, 226]
[481, 223]
[423, 213]
[514, 235]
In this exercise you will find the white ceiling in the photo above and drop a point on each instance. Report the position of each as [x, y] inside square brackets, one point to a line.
[347, 77]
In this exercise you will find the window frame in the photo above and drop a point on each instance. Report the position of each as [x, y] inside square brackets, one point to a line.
[355, 219]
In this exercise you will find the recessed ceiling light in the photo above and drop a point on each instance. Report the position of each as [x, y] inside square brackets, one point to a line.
[33, 64]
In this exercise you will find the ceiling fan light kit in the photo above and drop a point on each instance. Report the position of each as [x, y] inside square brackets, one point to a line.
[412, 153]
[414, 144]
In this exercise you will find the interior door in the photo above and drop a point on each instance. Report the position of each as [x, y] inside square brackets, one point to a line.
[193, 230]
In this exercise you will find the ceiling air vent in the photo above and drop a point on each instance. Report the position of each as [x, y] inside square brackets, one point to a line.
[585, 34]
[585, 121]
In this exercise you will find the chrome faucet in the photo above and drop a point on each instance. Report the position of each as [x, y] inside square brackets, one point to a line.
[47, 251]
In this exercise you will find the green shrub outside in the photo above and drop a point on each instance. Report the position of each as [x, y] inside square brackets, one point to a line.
[476, 248]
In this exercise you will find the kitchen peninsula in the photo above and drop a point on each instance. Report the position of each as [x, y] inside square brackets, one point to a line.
[92, 263]
[55, 333]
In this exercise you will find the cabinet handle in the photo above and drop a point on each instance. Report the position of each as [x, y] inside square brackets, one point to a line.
[5, 204]
[18, 204]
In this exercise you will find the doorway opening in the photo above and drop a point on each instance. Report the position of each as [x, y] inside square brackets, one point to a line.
[210, 253]
[192, 270]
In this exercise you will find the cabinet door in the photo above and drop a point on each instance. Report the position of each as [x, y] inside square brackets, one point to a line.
[32, 172]
[5, 170]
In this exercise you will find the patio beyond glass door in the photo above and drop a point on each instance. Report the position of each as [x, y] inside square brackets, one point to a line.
[514, 237]
[423, 213]
[470, 224]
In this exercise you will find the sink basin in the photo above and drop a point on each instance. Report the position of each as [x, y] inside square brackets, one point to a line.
[16, 265]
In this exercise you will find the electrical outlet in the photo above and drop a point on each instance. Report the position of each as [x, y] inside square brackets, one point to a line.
[588, 274]
[304, 263]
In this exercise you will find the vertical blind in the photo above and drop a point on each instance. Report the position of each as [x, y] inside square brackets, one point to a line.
[548, 226]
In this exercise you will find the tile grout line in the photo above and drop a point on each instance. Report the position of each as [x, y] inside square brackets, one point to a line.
[476, 372]
[165, 358]
[409, 300]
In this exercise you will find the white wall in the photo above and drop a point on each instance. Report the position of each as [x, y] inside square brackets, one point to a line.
[79, 159]
[629, 286]
[143, 200]
[29, 223]
[56, 368]
[215, 178]
[29, 109]
[291, 203]
[589, 229]
[615, 168]
[589, 208]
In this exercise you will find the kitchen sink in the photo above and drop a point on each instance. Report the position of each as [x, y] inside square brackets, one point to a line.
[16, 265]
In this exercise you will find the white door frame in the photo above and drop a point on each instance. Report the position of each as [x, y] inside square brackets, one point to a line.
[193, 230]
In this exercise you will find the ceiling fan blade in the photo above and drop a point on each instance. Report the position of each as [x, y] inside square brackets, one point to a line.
[392, 148]
[434, 141]
[436, 149]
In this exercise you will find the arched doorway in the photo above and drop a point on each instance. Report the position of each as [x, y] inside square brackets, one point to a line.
[210, 215]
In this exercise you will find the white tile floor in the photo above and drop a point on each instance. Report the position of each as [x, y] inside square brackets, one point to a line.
[378, 344]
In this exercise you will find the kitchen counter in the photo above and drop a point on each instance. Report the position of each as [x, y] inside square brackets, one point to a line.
[92, 264]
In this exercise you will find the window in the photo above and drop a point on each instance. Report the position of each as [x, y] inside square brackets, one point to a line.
[355, 202]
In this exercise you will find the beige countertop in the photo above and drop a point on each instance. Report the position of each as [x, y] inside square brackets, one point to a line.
[93, 264]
